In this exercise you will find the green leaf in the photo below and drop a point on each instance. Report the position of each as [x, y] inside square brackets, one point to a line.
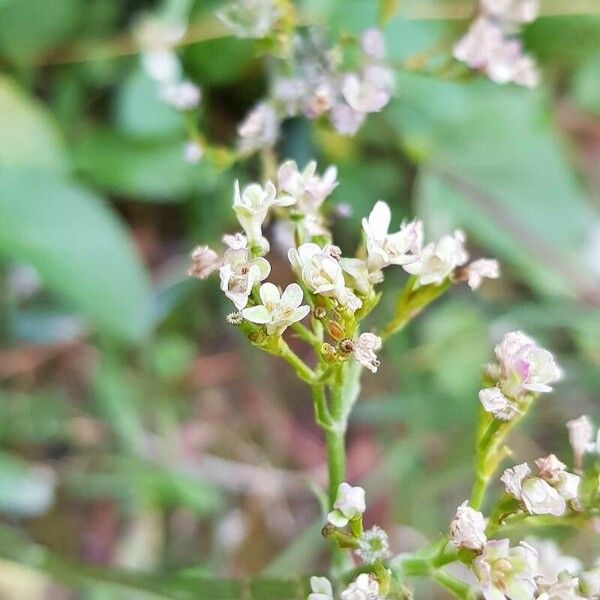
[79, 247]
[34, 138]
[142, 169]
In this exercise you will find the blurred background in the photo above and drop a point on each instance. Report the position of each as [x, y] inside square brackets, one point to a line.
[145, 448]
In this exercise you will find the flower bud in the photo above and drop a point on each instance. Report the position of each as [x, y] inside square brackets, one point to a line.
[335, 331]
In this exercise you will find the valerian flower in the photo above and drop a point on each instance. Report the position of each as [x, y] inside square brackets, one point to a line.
[373, 44]
[240, 273]
[581, 434]
[259, 129]
[590, 582]
[373, 545]
[320, 589]
[369, 91]
[345, 119]
[385, 248]
[364, 350]
[322, 273]
[438, 260]
[478, 270]
[183, 95]
[565, 588]
[551, 561]
[506, 572]
[364, 587]
[235, 241]
[252, 206]
[277, 311]
[349, 504]
[250, 18]
[467, 529]
[204, 262]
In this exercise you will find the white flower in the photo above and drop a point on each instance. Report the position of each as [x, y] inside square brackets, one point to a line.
[358, 271]
[249, 18]
[373, 545]
[566, 588]
[438, 261]
[514, 11]
[252, 205]
[540, 498]
[513, 479]
[385, 248]
[235, 241]
[204, 262]
[349, 504]
[551, 561]
[549, 467]
[506, 572]
[590, 582]
[322, 273]
[363, 588]
[480, 269]
[277, 311]
[369, 91]
[161, 65]
[320, 589]
[259, 129]
[495, 402]
[240, 273]
[365, 348]
[183, 95]
[192, 152]
[372, 43]
[309, 189]
[581, 434]
[524, 366]
[345, 119]
[567, 485]
[467, 529]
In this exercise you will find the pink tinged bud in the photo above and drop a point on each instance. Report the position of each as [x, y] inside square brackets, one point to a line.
[581, 434]
[204, 262]
[467, 529]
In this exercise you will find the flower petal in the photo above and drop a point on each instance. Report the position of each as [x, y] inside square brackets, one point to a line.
[269, 293]
[257, 314]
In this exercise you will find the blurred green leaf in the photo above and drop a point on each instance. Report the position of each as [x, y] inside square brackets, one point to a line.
[30, 137]
[25, 490]
[79, 247]
[586, 84]
[143, 169]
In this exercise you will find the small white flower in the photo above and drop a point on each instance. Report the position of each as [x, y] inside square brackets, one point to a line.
[192, 153]
[495, 402]
[235, 241]
[358, 271]
[385, 248]
[513, 479]
[590, 582]
[240, 273]
[481, 269]
[365, 348]
[373, 44]
[513, 11]
[277, 311]
[373, 545]
[549, 467]
[567, 485]
[369, 91]
[252, 205]
[345, 119]
[259, 129]
[321, 99]
[204, 262]
[349, 504]
[540, 498]
[565, 588]
[249, 18]
[183, 95]
[320, 589]
[581, 435]
[506, 572]
[363, 588]
[438, 261]
[467, 529]
[551, 561]
[524, 366]
[161, 65]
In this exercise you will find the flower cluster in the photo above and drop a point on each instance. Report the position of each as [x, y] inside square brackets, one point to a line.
[523, 369]
[490, 45]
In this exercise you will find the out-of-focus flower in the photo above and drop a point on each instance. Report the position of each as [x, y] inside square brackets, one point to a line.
[581, 434]
[204, 262]
[161, 65]
[483, 268]
[590, 582]
[259, 129]
[277, 311]
[385, 248]
[364, 587]
[365, 348]
[349, 504]
[438, 260]
[192, 153]
[373, 44]
[252, 205]
[512, 11]
[320, 589]
[506, 572]
[369, 91]
[467, 529]
[240, 273]
[250, 18]
[551, 561]
[345, 119]
[183, 95]
[373, 545]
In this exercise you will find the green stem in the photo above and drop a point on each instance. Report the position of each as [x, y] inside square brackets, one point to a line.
[303, 371]
[307, 335]
[336, 460]
[453, 585]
